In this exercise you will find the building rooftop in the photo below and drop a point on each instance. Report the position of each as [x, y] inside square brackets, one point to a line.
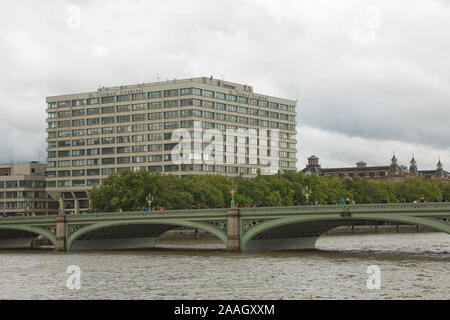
[144, 87]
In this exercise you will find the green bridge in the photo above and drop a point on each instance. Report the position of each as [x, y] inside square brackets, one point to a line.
[252, 229]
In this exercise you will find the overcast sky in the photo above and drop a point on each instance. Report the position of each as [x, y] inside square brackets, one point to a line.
[370, 77]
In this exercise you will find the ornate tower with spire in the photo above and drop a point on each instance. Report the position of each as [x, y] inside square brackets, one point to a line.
[394, 165]
[440, 169]
[413, 166]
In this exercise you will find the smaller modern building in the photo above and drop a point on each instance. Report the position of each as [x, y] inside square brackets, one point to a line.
[391, 172]
[22, 190]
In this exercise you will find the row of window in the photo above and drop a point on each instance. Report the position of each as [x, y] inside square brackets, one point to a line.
[24, 205]
[22, 184]
[255, 158]
[264, 151]
[237, 135]
[23, 194]
[171, 93]
[361, 174]
[169, 104]
[185, 124]
[149, 137]
[227, 145]
[168, 115]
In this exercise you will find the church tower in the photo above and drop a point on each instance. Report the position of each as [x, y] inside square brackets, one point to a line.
[413, 166]
[394, 165]
[440, 169]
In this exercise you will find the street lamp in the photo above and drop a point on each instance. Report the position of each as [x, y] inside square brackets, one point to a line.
[28, 208]
[149, 201]
[307, 192]
[233, 189]
[60, 198]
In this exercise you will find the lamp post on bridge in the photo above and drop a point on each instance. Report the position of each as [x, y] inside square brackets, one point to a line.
[28, 208]
[307, 192]
[60, 198]
[149, 200]
[233, 189]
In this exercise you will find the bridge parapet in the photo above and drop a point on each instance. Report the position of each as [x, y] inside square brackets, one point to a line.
[151, 214]
[35, 219]
[401, 208]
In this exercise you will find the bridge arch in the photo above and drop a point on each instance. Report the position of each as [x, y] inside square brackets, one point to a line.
[165, 225]
[30, 229]
[329, 222]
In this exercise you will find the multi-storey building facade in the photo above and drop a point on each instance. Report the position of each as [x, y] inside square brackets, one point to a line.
[22, 190]
[192, 126]
[392, 172]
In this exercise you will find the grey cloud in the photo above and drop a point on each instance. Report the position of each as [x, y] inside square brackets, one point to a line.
[355, 73]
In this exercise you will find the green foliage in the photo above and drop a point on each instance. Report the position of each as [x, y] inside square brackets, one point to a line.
[128, 190]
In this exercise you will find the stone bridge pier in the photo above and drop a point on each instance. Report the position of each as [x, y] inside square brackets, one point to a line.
[233, 231]
[61, 232]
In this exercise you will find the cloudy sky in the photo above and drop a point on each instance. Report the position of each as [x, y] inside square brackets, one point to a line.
[370, 77]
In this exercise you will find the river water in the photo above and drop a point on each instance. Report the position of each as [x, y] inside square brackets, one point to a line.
[412, 266]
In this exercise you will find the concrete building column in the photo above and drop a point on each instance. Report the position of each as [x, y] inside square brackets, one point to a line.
[61, 233]
[234, 237]
[76, 206]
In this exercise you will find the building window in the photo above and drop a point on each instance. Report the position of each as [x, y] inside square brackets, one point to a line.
[155, 126]
[139, 107]
[106, 161]
[191, 91]
[155, 116]
[123, 150]
[108, 150]
[139, 96]
[121, 119]
[154, 147]
[124, 98]
[78, 153]
[124, 108]
[139, 149]
[93, 111]
[171, 93]
[139, 117]
[93, 152]
[93, 182]
[91, 101]
[171, 168]
[208, 104]
[123, 139]
[171, 125]
[154, 169]
[93, 141]
[108, 99]
[108, 171]
[155, 95]
[155, 105]
[78, 173]
[171, 103]
[64, 104]
[93, 131]
[78, 163]
[78, 113]
[122, 160]
[139, 159]
[108, 140]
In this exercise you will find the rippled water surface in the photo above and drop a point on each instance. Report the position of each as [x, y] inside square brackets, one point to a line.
[413, 266]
